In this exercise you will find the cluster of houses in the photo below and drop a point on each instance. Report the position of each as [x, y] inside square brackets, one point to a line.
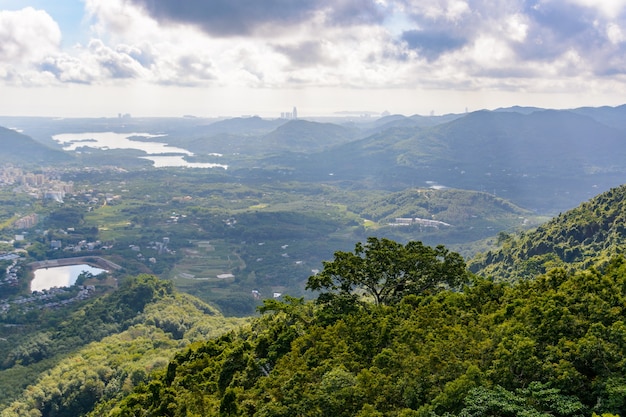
[82, 245]
[409, 221]
[51, 299]
[10, 278]
[159, 247]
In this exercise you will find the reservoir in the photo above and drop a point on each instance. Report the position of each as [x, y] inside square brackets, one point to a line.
[155, 151]
[112, 140]
[60, 276]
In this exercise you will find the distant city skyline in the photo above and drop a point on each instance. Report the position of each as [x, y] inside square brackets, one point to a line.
[99, 58]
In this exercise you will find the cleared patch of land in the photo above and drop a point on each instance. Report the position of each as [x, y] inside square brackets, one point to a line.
[207, 260]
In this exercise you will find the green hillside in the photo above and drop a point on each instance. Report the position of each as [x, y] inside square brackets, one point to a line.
[255, 137]
[456, 218]
[589, 235]
[555, 346]
[72, 359]
[459, 207]
[306, 136]
[552, 345]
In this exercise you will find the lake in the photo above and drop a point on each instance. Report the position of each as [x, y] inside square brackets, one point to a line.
[178, 161]
[156, 151]
[60, 276]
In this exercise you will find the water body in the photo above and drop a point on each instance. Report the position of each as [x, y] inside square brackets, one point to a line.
[111, 140]
[178, 161]
[60, 276]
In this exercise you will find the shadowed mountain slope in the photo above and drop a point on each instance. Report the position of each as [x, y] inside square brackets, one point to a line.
[21, 149]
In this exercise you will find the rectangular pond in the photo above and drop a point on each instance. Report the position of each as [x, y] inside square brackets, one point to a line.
[60, 276]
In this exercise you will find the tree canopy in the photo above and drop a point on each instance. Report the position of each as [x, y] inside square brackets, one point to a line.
[387, 271]
[554, 346]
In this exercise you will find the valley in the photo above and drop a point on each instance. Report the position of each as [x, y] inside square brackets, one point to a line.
[275, 198]
[252, 208]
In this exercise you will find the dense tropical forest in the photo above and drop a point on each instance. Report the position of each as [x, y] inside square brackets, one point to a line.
[588, 235]
[554, 346]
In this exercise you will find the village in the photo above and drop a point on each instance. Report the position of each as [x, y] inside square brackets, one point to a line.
[52, 298]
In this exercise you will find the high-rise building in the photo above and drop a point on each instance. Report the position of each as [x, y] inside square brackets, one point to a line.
[290, 115]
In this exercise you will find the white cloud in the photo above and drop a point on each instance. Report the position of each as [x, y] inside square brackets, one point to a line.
[451, 10]
[614, 33]
[26, 37]
[68, 69]
[455, 9]
[516, 28]
[485, 41]
[119, 19]
[489, 52]
[609, 8]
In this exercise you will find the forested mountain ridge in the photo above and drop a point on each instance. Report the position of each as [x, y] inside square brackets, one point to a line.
[256, 137]
[516, 155]
[248, 126]
[554, 346]
[103, 349]
[589, 235]
[610, 116]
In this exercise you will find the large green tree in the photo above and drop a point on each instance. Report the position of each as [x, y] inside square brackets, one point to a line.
[387, 271]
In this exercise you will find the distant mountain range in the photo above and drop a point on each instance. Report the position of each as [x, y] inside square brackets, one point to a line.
[246, 126]
[543, 160]
[258, 137]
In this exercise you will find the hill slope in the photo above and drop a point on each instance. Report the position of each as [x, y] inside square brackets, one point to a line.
[610, 116]
[588, 235]
[446, 216]
[102, 349]
[21, 149]
[306, 136]
[551, 347]
[245, 126]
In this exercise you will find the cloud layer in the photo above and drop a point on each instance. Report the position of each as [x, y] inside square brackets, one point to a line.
[521, 45]
[225, 18]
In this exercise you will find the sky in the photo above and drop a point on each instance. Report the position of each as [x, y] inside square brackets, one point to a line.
[208, 58]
